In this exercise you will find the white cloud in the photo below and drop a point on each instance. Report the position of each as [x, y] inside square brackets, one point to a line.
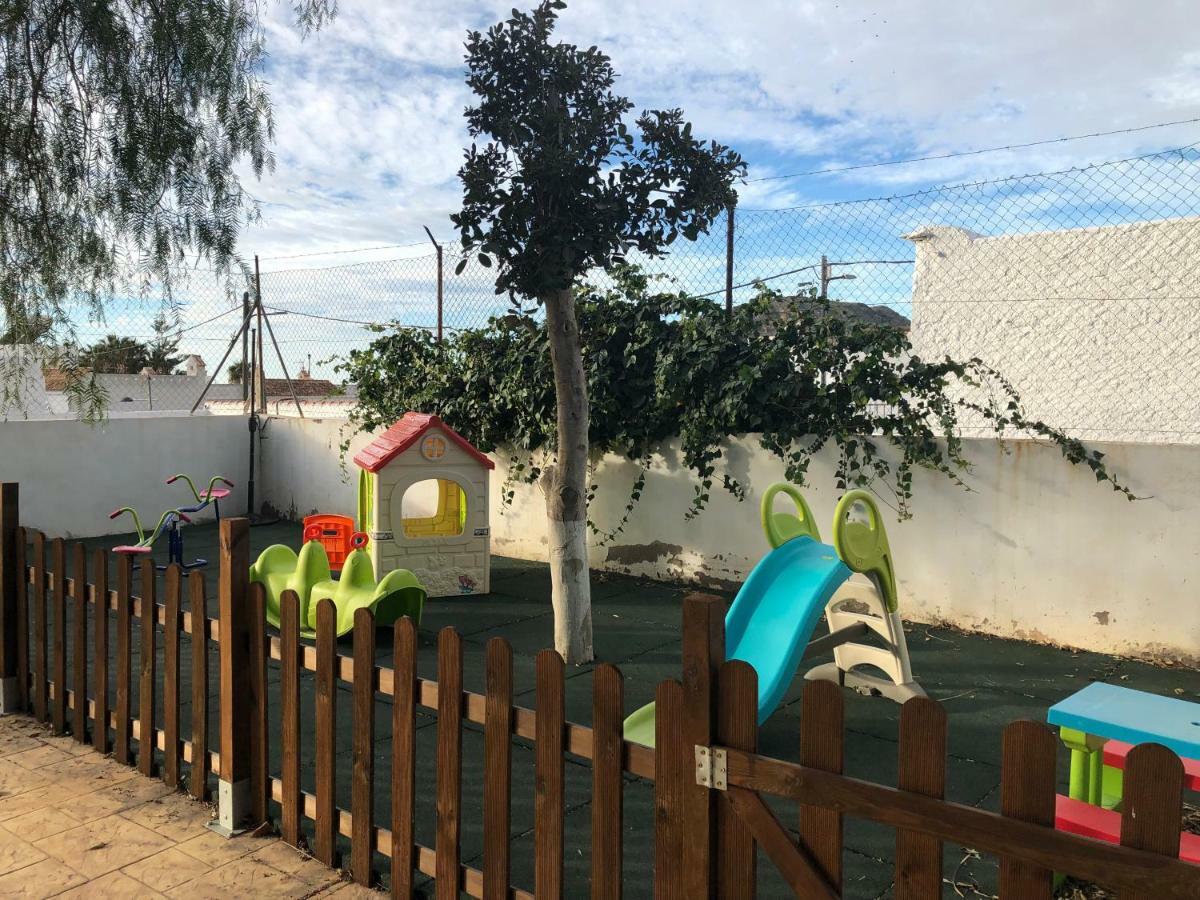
[369, 112]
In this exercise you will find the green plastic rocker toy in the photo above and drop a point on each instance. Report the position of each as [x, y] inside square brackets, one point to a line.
[279, 568]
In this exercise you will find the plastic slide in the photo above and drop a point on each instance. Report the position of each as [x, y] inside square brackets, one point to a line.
[779, 605]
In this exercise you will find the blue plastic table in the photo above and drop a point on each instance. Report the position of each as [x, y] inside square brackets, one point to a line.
[1102, 712]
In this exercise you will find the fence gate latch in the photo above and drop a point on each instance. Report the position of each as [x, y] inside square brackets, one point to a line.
[711, 767]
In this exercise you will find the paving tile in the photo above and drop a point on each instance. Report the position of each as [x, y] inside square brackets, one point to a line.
[39, 797]
[215, 850]
[85, 774]
[167, 869]
[36, 757]
[40, 823]
[346, 891]
[43, 879]
[103, 845]
[173, 816]
[245, 877]
[121, 796]
[114, 885]
[16, 853]
[17, 742]
[15, 779]
[289, 860]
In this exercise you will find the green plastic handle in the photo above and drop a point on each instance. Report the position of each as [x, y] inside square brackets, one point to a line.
[863, 546]
[783, 527]
[364, 500]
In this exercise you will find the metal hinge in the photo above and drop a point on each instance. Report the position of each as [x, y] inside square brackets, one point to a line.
[711, 767]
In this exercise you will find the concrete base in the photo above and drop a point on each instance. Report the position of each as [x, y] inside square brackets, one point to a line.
[8, 696]
[233, 806]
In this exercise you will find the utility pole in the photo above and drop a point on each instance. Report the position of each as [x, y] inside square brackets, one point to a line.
[438, 248]
[824, 294]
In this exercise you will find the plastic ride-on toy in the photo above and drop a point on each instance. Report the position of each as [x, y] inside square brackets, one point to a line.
[279, 568]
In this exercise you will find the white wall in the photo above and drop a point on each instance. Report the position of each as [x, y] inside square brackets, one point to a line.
[1096, 327]
[1037, 549]
[72, 474]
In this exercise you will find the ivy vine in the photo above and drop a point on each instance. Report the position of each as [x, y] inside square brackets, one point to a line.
[800, 372]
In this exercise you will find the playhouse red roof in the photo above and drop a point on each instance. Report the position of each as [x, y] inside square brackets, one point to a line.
[403, 435]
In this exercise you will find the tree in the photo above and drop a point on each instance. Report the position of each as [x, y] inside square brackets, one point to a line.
[557, 184]
[236, 372]
[123, 130]
[161, 353]
[115, 355]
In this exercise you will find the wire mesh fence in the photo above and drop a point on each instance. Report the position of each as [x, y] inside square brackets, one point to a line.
[1080, 286]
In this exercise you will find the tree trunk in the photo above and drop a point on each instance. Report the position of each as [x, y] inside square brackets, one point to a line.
[566, 486]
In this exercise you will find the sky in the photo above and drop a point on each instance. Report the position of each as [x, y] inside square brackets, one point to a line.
[369, 135]
[369, 125]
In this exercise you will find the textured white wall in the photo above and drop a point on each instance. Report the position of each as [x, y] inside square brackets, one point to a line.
[1037, 549]
[1097, 328]
[72, 474]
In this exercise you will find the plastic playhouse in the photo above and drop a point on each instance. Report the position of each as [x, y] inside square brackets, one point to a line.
[772, 618]
[447, 545]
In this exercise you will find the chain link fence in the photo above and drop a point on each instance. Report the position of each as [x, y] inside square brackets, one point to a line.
[1082, 287]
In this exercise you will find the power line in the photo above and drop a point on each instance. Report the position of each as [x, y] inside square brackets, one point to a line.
[936, 156]
[340, 252]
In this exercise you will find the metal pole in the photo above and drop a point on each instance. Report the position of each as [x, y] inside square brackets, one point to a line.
[282, 364]
[824, 295]
[241, 332]
[437, 247]
[254, 344]
[261, 371]
[729, 257]
[245, 347]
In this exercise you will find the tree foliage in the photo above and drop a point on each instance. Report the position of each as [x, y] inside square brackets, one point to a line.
[798, 372]
[561, 184]
[123, 129]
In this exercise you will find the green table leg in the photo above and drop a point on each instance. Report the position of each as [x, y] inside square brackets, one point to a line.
[1087, 764]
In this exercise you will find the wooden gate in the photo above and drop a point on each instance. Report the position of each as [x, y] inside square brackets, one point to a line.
[726, 786]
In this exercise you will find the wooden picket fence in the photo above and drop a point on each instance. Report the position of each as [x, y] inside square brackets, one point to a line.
[711, 813]
[38, 595]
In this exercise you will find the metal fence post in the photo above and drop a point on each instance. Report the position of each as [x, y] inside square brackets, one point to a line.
[729, 216]
[236, 701]
[438, 247]
[9, 575]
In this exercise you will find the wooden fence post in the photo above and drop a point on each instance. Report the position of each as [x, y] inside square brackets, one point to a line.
[237, 704]
[703, 653]
[9, 585]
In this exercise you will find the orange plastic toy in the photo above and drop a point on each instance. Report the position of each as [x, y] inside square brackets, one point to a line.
[335, 533]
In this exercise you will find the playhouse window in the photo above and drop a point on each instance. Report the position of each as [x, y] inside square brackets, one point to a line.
[433, 508]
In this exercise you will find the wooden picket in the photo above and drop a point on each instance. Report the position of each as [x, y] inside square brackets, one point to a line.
[497, 770]
[449, 763]
[79, 642]
[99, 605]
[58, 619]
[171, 629]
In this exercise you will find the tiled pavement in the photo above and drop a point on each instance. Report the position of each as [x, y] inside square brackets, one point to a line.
[76, 824]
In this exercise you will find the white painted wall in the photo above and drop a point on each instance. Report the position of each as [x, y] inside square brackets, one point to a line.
[1098, 328]
[72, 474]
[1036, 550]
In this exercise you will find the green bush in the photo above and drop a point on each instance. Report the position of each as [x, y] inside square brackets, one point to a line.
[799, 371]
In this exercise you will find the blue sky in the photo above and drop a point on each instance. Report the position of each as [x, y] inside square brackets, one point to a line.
[369, 133]
[369, 112]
